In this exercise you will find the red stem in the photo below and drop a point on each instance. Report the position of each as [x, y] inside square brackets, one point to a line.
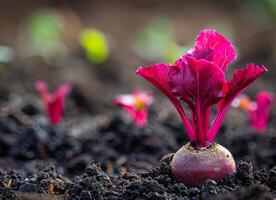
[199, 125]
[217, 122]
[187, 124]
[220, 116]
[206, 120]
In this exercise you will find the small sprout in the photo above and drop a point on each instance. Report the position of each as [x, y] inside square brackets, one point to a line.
[136, 105]
[198, 79]
[53, 103]
[257, 111]
[95, 44]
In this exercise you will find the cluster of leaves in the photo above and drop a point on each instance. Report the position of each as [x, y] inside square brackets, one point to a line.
[198, 79]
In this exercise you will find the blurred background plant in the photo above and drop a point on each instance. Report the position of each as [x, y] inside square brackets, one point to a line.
[95, 45]
[156, 41]
[45, 33]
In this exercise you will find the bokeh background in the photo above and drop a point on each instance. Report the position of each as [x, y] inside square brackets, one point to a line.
[97, 45]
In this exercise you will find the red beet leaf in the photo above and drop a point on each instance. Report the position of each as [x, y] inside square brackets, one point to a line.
[198, 79]
[158, 75]
[214, 47]
[241, 80]
[199, 83]
[54, 103]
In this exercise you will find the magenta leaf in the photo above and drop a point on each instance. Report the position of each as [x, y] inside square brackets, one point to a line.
[54, 103]
[212, 46]
[198, 79]
[55, 110]
[158, 75]
[199, 83]
[240, 81]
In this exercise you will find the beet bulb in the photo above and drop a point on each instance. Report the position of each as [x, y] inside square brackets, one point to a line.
[193, 165]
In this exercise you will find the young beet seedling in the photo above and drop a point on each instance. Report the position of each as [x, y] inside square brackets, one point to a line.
[257, 111]
[136, 105]
[198, 79]
[53, 103]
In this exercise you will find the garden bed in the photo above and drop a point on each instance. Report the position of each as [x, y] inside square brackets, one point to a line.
[105, 157]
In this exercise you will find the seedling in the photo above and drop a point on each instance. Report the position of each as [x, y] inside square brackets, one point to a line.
[136, 105]
[53, 103]
[257, 111]
[198, 79]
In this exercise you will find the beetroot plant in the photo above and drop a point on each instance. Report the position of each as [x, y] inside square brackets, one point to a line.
[53, 103]
[257, 111]
[198, 80]
[136, 105]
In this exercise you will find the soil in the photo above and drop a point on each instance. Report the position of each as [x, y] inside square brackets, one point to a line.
[96, 153]
[106, 157]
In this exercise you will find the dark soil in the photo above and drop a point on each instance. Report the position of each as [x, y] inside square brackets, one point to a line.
[106, 157]
[155, 184]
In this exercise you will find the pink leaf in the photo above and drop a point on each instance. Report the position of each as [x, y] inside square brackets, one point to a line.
[212, 46]
[240, 81]
[55, 110]
[199, 83]
[158, 75]
[198, 79]
[54, 103]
